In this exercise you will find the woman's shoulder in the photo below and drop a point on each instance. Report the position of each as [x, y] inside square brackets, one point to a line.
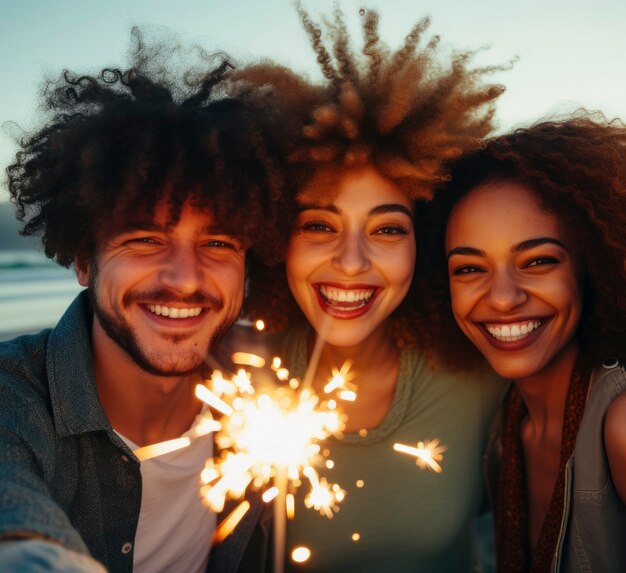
[478, 379]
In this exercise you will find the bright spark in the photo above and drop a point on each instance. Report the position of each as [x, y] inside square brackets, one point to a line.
[300, 554]
[428, 454]
[247, 359]
[265, 432]
[161, 448]
[226, 527]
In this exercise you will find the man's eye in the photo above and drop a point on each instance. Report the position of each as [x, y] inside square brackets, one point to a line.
[142, 241]
[221, 244]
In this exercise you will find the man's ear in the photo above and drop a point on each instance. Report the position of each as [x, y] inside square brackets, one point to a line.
[82, 270]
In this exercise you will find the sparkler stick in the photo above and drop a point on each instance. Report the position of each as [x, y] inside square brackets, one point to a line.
[320, 340]
[280, 519]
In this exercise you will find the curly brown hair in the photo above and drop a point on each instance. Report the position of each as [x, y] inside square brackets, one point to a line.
[577, 168]
[119, 142]
[403, 112]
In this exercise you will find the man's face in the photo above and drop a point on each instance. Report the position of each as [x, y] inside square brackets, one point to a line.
[165, 294]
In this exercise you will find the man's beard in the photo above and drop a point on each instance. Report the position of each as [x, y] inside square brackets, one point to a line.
[122, 333]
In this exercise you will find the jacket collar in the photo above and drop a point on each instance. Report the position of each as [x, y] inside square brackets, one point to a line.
[75, 405]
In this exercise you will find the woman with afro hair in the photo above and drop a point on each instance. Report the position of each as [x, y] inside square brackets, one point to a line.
[363, 147]
[534, 227]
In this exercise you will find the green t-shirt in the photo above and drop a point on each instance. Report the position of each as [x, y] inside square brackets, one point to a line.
[407, 518]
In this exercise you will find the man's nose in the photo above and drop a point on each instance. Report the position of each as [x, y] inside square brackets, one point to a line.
[183, 271]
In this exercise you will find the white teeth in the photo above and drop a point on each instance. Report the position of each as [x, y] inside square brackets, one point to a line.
[174, 312]
[513, 332]
[359, 296]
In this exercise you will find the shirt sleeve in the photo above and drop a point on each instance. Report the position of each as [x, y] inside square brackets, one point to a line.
[29, 467]
[36, 556]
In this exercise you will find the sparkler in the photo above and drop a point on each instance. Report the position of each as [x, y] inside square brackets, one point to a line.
[269, 439]
[427, 454]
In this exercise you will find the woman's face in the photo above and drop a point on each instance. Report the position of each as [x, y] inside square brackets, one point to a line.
[515, 278]
[350, 260]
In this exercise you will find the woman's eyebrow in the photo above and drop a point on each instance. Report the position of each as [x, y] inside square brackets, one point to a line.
[523, 246]
[311, 207]
[390, 208]
[466, 251]
[532, 243]
[379, 209]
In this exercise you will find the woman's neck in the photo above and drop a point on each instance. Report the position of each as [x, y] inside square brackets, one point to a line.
[545, 393]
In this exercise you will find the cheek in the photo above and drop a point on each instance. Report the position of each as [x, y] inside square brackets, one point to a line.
[400, 264]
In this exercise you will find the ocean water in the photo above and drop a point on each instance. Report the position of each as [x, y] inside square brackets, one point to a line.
[34, 292]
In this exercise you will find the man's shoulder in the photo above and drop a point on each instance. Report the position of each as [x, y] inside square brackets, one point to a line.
[23, 371]
[22, 354]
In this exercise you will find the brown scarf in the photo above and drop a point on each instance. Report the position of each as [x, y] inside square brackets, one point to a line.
[513, 550]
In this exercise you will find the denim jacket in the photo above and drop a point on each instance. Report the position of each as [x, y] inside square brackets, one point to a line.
[64, 474]
[591, 537]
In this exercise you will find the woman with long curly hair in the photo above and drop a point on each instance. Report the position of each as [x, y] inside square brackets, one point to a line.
[534, 227]
[363, 146]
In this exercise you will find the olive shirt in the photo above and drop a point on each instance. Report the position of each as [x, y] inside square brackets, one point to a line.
[407, 518]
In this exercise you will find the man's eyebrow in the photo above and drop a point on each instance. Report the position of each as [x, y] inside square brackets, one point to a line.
[379, 209]
[523, 246]
[138, 225]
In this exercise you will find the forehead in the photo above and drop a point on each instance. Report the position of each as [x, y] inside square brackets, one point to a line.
[164, 216]
[501, 211]
[362, 186]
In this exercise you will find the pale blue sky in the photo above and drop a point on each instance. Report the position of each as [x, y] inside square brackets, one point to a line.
[572, 52]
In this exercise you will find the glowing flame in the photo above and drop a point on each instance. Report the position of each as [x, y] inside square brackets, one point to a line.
[427, 454]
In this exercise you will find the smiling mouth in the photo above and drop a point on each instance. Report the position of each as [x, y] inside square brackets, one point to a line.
[346, 299]
[514, 331]
[174, 312]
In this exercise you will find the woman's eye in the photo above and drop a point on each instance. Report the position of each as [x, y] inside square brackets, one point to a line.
[392, 230]
[466, 270]
[542, 261]
[316, 227]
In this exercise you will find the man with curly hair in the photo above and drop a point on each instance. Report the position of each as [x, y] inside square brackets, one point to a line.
[156, 192]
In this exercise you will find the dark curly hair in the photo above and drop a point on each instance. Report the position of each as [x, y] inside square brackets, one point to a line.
[119, 142]
[403, 112]
[577, 168]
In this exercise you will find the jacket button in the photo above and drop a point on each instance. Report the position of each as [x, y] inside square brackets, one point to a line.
[127, 548]
[124, 458]
[610, 363]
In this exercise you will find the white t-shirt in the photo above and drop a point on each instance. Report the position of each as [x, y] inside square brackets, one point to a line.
[175, 529]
